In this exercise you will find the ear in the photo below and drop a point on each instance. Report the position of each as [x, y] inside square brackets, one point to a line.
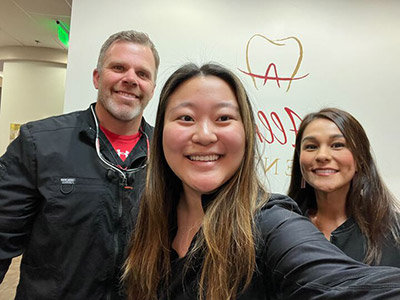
[96, 77]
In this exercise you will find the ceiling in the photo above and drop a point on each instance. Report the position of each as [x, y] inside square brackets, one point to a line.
[33, 22]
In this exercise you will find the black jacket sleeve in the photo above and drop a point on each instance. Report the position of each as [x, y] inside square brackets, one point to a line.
[18, 197]
[301, 264]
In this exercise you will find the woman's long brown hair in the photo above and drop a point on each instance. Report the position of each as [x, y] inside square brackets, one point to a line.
[369, 201]
[226, 239]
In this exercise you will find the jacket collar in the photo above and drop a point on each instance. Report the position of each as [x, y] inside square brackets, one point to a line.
[88, 126]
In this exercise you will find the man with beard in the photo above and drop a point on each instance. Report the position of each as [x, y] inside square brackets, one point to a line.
[70, 185]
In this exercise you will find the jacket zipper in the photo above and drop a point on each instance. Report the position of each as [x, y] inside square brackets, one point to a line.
[116, 234]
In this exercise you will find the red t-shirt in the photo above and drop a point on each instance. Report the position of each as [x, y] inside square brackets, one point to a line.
[122, 144]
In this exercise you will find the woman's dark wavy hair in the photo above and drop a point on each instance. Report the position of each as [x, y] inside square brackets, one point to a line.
[369, 201]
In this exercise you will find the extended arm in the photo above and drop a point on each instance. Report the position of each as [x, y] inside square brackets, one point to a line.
[301, 264]
[18, 197]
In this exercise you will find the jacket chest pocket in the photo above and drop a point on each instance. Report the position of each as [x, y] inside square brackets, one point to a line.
[77, 201]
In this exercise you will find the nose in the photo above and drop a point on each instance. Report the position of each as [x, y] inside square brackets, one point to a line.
[205, 133]
[130, 77]
[323, 154]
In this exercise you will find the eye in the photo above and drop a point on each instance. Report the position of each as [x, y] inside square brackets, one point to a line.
[143, 75]
[338, 145]
[118, 68]
[224, 118]
[309, 147]
[186, 118]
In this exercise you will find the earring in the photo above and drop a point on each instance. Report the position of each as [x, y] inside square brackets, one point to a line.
[303, 183]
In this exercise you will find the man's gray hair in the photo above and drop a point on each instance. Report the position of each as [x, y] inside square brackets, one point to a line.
[132, 36]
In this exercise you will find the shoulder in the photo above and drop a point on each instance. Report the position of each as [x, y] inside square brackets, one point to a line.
[277, 205]
[281, 220]
[279, 211]
[281, 201]
[70, 120]
[391, 249]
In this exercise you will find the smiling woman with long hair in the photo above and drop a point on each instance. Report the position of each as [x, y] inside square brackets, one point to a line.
[207, 229]
[336, 183]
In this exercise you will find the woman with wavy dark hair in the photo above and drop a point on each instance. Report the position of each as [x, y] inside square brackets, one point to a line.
[207, 229]
[336, 183]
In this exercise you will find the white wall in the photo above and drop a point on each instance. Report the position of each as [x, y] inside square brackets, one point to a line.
[351, 51]
[31, 91]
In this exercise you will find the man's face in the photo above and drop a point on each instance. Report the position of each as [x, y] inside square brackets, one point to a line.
[126, 81]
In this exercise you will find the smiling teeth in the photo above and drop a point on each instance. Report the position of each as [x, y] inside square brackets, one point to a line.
[324, 171]
[127, 94]
[213, 157]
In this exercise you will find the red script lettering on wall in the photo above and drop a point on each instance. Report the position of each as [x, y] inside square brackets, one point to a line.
[272, 129]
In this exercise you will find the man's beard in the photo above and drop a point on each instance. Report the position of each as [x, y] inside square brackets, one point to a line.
[121, 113]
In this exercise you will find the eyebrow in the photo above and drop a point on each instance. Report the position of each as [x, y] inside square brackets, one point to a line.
[145, 69]
[311, 138]
[115, 62]
[219, 105]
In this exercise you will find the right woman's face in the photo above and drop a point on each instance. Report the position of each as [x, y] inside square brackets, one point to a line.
[203, 136]
[326, 162]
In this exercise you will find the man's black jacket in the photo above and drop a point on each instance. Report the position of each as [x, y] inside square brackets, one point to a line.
[64, 211]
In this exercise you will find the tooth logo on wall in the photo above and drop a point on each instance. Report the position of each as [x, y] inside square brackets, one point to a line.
[262, 54]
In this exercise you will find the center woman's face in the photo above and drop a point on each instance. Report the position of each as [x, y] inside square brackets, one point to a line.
[203, 137]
